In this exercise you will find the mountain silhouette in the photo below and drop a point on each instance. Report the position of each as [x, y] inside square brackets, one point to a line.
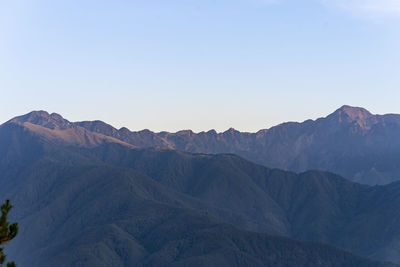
[109, 204]
[352, 142]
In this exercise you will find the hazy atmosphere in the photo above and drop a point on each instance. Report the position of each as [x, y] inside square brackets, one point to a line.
[210, 64]
[200, 133]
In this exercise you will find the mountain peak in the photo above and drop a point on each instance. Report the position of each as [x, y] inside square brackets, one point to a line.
[43, 118]
[230, 131]
[357, 115]
[55, 128]
[354, 113]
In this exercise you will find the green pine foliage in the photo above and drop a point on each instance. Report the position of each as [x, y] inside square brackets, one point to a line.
[7, 231]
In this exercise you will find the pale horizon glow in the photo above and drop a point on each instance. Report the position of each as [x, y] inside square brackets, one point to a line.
[199, 65]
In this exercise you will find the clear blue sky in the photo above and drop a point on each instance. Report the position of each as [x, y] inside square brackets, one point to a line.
[199, 64]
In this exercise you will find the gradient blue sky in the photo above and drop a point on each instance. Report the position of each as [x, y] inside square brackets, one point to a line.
[199, 64]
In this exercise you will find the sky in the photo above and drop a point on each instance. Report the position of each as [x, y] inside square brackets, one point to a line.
[198, 64]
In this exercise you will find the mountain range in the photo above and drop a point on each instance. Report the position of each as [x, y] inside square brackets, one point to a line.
[352, 142]
[86, 194]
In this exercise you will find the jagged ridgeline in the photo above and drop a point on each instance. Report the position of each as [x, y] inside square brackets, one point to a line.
[87, 198]
[352, 142]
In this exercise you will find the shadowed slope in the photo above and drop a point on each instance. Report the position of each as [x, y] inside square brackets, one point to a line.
[98, 204]
[92, 215]
[314, 205]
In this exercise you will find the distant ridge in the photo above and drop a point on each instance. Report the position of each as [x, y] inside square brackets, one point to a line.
[43, 118]
[54, 127]
[351, 141]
